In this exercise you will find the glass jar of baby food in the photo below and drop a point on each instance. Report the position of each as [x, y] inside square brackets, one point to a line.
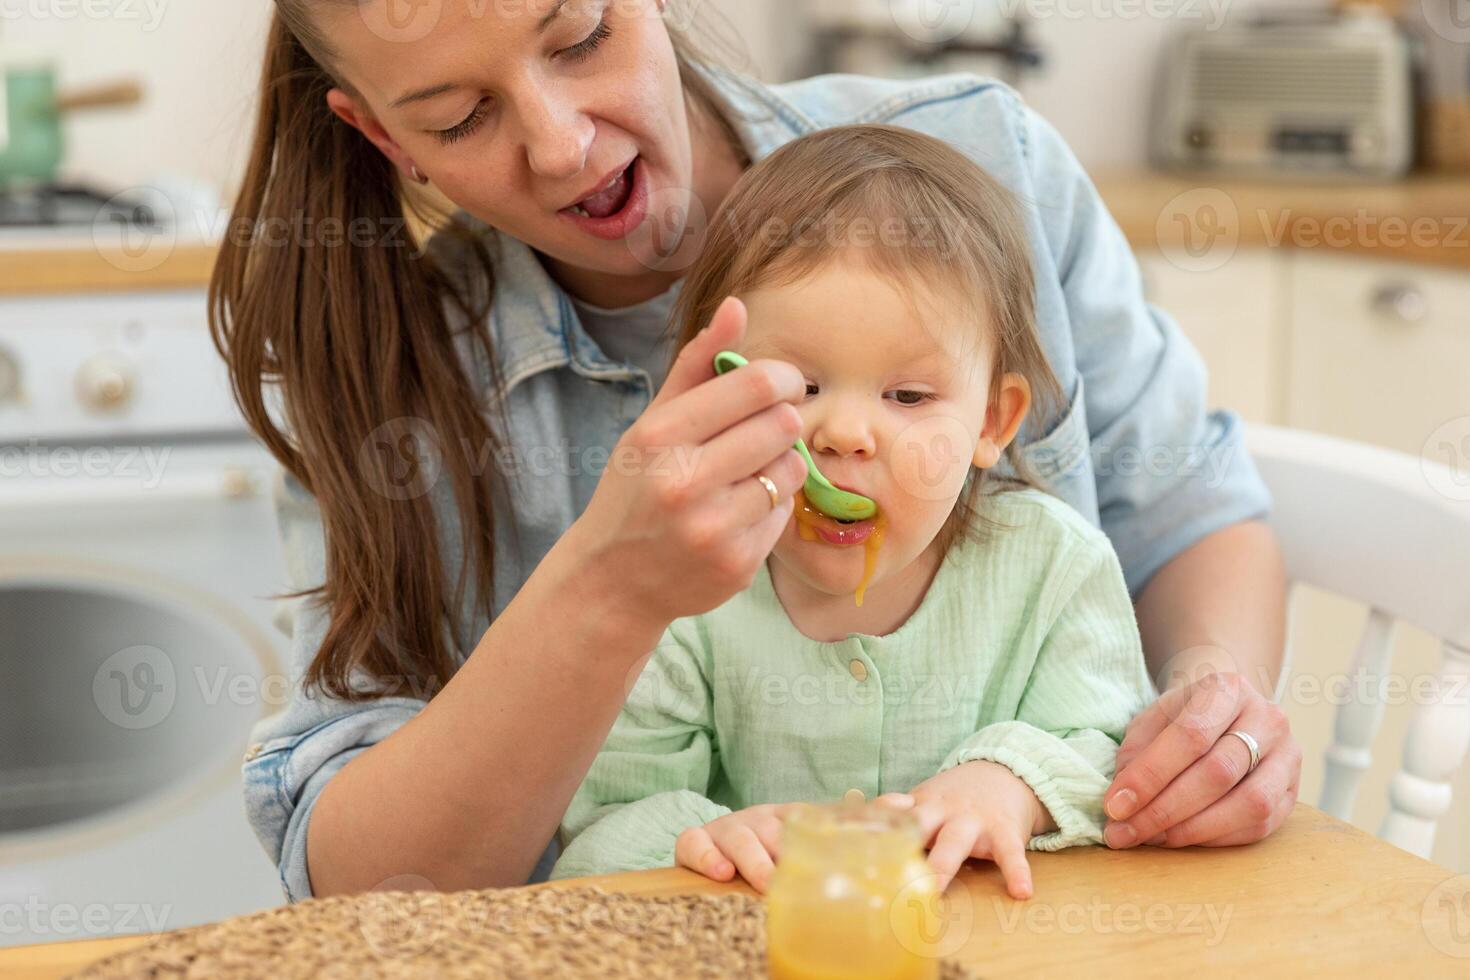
[851, 897]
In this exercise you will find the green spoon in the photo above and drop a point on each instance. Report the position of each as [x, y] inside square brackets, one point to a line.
[820, 492]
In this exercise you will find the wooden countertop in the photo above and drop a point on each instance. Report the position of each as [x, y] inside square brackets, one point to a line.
[80, 269]
[1318, 898]
[1423, 219]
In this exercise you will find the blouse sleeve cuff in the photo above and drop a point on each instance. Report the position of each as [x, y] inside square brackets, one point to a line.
[636, 836]
[1067, 784]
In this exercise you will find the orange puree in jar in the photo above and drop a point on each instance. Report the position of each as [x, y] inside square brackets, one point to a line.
[852, 898]
[807, 519]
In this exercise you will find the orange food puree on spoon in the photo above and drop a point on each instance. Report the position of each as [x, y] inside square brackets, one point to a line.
[809, 519]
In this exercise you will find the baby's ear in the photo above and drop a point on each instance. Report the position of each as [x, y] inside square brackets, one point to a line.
[1003, 420]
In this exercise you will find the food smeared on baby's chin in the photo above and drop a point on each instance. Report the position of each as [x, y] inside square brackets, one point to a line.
[813, 525]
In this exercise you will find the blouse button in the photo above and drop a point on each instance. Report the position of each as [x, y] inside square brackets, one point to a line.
[859, 670]
[853, 795]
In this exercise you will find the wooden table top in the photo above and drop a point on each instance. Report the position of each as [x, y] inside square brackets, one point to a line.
[1319, 897]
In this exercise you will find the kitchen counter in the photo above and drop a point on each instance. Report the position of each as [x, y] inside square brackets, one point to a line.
[1424, 219]
[71, 267]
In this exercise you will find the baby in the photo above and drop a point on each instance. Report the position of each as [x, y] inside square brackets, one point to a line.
[969, 653]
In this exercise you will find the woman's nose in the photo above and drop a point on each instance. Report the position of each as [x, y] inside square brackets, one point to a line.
[558, 137]
[843, 428]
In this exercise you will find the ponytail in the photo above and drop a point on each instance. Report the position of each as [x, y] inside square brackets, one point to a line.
[320, 292]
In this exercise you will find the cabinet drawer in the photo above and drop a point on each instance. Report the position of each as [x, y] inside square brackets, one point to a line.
[1379, 351]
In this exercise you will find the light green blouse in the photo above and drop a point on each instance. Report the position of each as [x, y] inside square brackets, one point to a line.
[1024, 652]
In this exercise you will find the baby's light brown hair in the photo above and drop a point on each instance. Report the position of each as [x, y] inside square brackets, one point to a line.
[918, 212]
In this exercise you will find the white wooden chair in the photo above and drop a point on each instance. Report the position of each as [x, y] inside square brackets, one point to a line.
[1369, 524]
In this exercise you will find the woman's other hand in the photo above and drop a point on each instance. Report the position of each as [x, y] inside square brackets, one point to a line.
[1181, 782]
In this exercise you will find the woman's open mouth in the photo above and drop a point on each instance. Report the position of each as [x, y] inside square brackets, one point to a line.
[617, 208]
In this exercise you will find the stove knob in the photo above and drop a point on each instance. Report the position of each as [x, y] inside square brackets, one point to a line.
[105, 383]
[9, 376]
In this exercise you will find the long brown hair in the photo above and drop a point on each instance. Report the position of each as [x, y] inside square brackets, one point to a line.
[919, 212]
[360, 341]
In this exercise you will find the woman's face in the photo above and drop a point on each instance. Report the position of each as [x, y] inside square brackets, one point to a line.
[554, 121]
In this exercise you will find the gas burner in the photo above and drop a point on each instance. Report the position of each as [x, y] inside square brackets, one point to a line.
[70, 206]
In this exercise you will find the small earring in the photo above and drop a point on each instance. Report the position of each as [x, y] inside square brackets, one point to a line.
[414, 169]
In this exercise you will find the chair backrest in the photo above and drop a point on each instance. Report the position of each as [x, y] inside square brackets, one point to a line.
[1390, 531]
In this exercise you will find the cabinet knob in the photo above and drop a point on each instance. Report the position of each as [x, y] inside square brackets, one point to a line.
[104, 383]
[1401, 301]
[9, 376]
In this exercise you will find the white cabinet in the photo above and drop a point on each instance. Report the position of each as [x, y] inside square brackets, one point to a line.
[1361, 348]
[1231, 315]
[1379, 351]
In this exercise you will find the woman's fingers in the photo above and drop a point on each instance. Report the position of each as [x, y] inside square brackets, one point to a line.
[696, 362]
[697, 416]
[1249, 812]
[954, 842]
[1009, 853]
[747, 500]
[1208, 780]
[1206, 711]
[695, 849]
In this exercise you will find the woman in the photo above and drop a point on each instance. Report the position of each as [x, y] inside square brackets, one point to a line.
[491, 517]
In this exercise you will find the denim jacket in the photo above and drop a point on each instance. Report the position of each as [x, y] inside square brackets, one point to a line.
[1135, 451]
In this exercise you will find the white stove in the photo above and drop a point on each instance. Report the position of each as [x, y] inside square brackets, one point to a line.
[138, 560]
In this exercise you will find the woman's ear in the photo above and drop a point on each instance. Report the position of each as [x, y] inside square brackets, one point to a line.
[356, 115]
[1003, 420]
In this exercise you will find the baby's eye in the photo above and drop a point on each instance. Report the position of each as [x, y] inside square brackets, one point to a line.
[907, 396]
[811, 389]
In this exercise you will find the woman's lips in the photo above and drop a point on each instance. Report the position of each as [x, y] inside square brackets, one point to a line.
[623, 222]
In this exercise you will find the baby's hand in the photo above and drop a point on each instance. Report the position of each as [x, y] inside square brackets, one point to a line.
[747, 841]
[979, 809]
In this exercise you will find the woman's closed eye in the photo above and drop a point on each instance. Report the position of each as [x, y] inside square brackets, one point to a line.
[471, 122]
[584, 48]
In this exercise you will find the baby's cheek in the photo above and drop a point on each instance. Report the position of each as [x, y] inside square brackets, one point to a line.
[930, 459]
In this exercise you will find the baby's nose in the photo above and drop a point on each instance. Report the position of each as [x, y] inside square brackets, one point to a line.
[844, 432]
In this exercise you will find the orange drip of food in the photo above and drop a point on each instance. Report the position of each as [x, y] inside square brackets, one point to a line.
[807, 519]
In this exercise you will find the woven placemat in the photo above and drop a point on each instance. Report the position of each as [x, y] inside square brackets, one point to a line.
[512, 933]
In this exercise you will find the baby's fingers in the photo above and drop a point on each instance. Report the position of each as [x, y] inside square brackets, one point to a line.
[741, 845]
[954, 843]
[1008, 851]
[696, 850]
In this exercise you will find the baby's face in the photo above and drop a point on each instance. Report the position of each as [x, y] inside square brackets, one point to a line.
[895, 410]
